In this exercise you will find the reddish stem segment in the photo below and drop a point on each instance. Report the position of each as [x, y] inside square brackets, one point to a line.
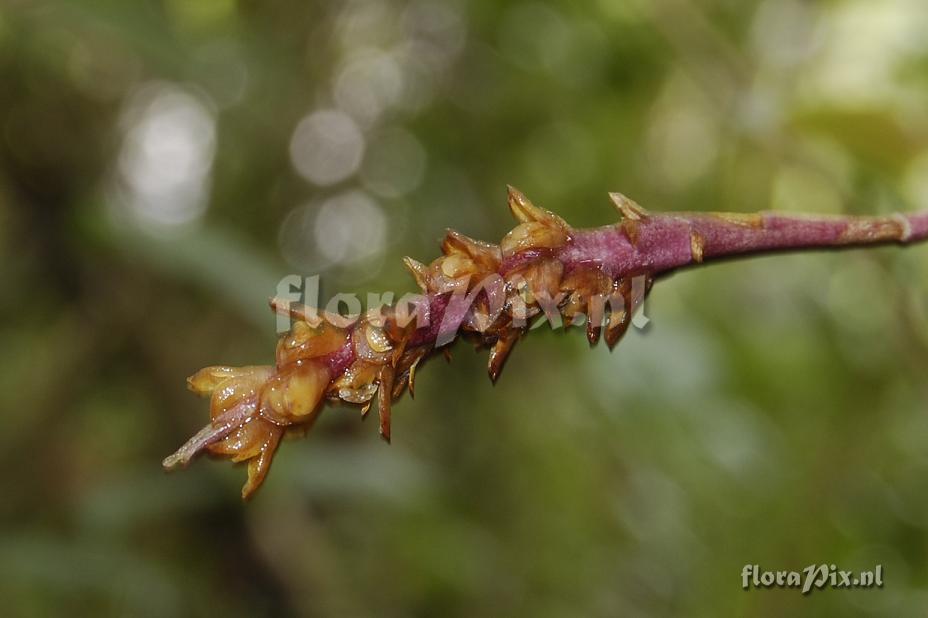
[659, 243]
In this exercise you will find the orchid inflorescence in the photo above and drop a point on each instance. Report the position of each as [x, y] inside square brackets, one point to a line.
[490, 294]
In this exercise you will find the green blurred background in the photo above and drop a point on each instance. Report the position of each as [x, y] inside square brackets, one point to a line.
[164, 164]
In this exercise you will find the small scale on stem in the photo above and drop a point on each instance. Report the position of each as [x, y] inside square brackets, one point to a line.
[490, 294]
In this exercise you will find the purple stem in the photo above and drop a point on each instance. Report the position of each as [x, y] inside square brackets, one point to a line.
[660, 243]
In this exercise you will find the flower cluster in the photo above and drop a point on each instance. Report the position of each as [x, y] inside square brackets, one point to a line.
[490, 294]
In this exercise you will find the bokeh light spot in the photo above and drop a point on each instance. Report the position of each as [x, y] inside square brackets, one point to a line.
[368, 84]
[326, 147]
[166, 156]
[350, 227]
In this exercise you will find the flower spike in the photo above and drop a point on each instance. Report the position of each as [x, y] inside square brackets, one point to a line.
[490, 294]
